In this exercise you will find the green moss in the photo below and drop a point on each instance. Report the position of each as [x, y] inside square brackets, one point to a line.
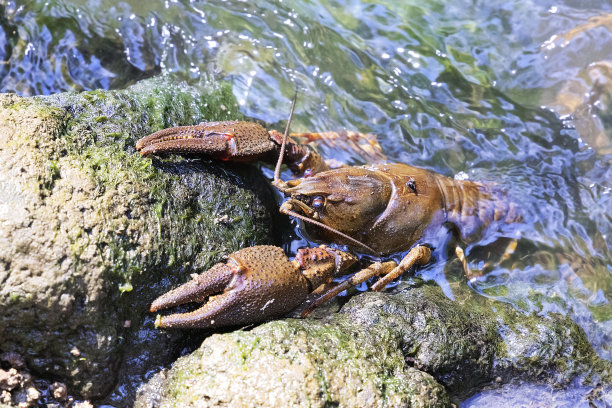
[101, 133]
[487, 339]
[125, 221]
[337, 347]
[245, 348]
[323, 384]
[183, 375]
[51, 175]
[327, 354]
[126, 287]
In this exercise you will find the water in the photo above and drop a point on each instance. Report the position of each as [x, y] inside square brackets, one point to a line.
[532, 395]
[516, 93]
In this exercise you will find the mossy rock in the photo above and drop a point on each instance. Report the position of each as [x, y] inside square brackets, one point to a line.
[472, 340]
[296, 363]
[413, 347]
[86, 223]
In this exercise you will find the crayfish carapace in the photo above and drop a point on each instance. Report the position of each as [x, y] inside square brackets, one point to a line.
[380, 209]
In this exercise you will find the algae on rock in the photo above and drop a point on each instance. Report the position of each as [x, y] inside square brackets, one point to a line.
[84, 220]
[406, 348]
[297, 363]
[472, 340]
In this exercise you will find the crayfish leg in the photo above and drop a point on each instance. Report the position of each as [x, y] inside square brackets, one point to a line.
[365, 145]
[472, 274]
[510, 248]
[419, 255]
[376, 269]
[389, 270]
[466, 268]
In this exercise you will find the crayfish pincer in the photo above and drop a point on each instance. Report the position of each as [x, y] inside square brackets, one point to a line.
[234, 289]
[380, 209]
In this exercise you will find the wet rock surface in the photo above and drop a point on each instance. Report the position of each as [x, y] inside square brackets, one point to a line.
[90, 232]
[295, 363]
[412, 347]
[471, 340]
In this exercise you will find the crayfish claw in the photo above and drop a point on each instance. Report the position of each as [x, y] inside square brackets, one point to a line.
[256, 284]
[214, 313]
[215, 280]
[229, 140]
[184, 140]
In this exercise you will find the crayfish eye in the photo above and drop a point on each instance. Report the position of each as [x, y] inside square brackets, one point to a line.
[317, 202]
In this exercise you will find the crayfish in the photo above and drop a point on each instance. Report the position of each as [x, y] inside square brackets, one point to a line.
[380, 209]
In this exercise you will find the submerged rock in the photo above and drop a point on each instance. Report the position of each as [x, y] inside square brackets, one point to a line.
[471, 340]
[90, 232]
[406, 348]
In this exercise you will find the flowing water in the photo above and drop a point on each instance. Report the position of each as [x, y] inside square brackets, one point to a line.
[518, 93]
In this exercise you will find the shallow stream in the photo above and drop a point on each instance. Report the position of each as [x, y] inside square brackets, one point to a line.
[517, 93]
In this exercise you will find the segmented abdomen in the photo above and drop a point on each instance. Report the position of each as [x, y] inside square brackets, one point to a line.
[476, 208]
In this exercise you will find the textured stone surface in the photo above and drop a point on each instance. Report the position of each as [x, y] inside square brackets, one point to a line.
[471, 340]
[296, 363]
[90, 231]
[406, 348]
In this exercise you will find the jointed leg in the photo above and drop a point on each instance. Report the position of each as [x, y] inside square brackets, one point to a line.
[363, 144]
[363, 275]
[419, 255]
[390, 270]
[472, 274]
[466, 269]
[509, 250]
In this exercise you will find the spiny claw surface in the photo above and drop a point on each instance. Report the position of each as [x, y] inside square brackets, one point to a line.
[254, 285]
[230, 140]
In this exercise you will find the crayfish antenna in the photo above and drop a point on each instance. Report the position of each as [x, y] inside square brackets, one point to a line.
[292, 213]
[284, 143]
[282, 186]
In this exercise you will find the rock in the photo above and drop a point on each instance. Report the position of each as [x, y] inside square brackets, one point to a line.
[18, 389]
[296, 363]
[10, 379]
[471, 340]
[406, 348]
[90, 232]
[58, 391]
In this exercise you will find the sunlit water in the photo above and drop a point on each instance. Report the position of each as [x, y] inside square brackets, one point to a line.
[516, 93]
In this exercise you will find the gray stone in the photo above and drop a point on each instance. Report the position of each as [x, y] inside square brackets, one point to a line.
[472, 340]
[296, 363]
[90, 232]
[406, 348]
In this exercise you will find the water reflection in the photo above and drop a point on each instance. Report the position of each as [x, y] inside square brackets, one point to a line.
[531, 395]
[514, 93]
